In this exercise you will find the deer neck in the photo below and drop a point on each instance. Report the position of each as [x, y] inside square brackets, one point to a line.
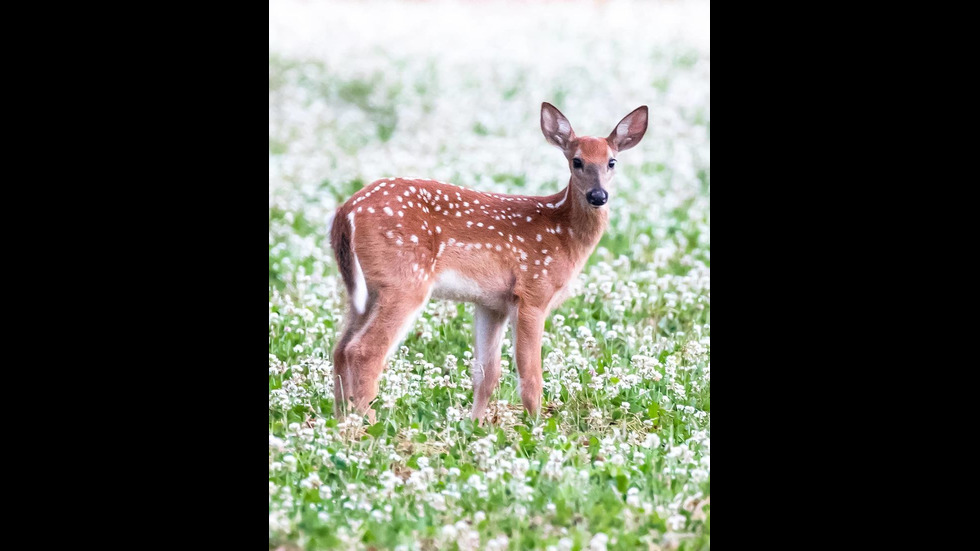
[585, 224]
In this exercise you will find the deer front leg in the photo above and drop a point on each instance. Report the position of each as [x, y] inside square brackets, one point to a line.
[488, 325]
[530, 327]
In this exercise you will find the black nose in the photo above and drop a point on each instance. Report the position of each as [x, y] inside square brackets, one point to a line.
[597, 197]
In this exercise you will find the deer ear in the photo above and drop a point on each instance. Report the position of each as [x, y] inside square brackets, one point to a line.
[630, 130]
[556, 128]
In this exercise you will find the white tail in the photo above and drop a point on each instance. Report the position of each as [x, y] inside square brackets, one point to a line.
[399, 241]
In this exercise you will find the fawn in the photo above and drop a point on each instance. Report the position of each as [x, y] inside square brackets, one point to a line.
[400, 241]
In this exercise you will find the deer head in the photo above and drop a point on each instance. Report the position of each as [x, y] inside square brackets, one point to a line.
[592, 161]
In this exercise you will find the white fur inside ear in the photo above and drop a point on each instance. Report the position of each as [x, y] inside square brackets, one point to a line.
[558, 128]
[623, 129]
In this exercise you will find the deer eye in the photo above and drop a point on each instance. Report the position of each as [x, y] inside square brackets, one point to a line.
[577, 163]
[612, 163]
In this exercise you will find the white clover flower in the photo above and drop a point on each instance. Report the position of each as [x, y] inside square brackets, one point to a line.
[633, 498]
[676, 522]
[312, 481]
[278, 522]
[598, 542]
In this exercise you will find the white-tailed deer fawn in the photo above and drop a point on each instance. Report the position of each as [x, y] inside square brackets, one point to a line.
[399, 241]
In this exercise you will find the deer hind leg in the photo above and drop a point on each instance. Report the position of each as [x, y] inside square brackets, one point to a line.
[342, 385]
[488, 325]
[393, 312]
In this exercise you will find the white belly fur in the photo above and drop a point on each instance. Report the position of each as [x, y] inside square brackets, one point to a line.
[451, 285]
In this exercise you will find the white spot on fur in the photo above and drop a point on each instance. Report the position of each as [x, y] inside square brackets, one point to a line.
[562, 202]
[389, 212]
[538, 237]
